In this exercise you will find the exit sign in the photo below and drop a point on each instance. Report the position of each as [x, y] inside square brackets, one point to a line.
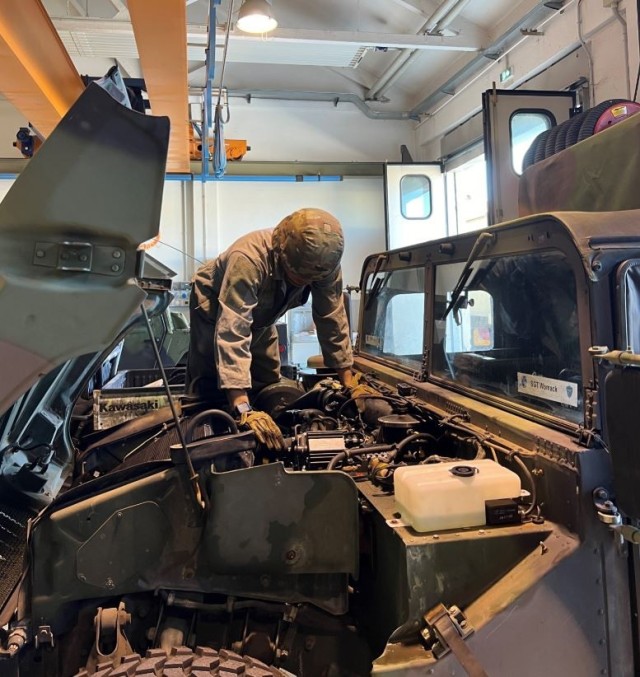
[506, 74]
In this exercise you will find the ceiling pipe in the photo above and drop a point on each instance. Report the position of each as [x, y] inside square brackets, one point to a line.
[504, 42]
[451, 15]
[440, 13]
[542, 12]
[391, 74]
[333, 97]
[437, 21]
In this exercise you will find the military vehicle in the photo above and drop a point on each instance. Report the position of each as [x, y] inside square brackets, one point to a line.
[469, 507]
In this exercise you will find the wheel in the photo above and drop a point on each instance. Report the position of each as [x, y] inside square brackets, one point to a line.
[593, 115]
[574, 129]
[550, 145]
[183, 662]
[529, 156]
[541, 147]
[561, 138]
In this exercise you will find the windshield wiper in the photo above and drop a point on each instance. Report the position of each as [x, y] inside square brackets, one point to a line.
[378, 282]
[483, 241]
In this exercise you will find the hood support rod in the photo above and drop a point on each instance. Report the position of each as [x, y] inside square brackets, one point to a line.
[194, 478]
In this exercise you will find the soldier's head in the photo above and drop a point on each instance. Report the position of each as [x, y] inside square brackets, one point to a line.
[309, 243]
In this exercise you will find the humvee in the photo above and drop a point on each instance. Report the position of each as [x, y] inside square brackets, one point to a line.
[172, 544]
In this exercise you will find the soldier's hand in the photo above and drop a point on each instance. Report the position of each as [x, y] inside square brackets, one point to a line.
[264, 428]
[361, 391]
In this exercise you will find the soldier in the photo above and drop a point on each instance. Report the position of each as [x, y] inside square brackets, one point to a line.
[237, 298]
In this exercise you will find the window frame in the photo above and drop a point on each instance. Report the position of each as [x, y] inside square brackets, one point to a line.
[402, 201]
[528, 111]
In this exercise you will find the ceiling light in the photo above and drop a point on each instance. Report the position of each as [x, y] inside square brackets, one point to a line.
[256, 17]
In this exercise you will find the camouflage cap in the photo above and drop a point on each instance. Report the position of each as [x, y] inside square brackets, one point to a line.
[310, 243]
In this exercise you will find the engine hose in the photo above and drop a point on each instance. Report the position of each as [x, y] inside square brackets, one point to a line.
[353, 400]
[171, 599]
[401, 446]
[311, 416]
[209, 413]
[531, 481]
[360, 451]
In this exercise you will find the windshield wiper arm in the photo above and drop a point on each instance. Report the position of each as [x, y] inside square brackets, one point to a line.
[483, 241]
[378, 282]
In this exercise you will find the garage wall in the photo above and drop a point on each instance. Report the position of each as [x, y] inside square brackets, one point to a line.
[286, 130]
[559, 36]
[315, 131]
[233, 209]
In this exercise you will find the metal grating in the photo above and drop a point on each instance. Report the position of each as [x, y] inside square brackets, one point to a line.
[98, 44]
[294, 53]
[13, 544]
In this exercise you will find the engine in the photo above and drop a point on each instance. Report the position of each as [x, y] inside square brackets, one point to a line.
[275, 559]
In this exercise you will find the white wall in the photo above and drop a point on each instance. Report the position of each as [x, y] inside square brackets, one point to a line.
[316, 131]
[235, 208]
[604, 37]
[5, 184]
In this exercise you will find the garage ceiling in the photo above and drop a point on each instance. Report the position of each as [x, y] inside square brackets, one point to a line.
[389, 57]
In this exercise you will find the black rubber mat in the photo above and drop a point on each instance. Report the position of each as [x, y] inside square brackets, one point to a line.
[13, 545]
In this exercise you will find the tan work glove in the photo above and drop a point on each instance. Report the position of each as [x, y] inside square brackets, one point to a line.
[360, 392]
[264, 428]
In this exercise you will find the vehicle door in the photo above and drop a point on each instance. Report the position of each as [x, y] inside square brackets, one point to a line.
[415, 203]
[512, 120]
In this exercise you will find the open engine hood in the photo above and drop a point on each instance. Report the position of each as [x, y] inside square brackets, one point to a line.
[69, 230]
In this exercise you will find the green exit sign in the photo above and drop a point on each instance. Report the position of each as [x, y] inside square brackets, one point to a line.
[506, 74]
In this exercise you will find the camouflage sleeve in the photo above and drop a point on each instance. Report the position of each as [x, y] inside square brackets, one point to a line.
[238, 297]
[330, 318]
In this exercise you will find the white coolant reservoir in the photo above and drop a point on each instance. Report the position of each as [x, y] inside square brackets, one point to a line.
[451, 495]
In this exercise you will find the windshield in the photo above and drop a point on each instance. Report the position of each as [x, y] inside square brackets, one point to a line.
[513, 331]
[393, 326]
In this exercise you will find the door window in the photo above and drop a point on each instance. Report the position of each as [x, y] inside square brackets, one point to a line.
[524, 126]
[393, 322]
[415, 196]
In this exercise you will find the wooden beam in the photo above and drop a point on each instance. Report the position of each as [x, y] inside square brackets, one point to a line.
[36, 73]
[160, 29]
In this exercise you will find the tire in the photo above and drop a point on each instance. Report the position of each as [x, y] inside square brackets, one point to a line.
[541, 147]
[183, 661]
[550, 145]
[529, 156]
[561, 138]
[574, 129]
[593, 115]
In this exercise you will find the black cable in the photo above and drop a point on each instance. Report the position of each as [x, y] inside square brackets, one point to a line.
[635, 91]
[224, 53]
[416, 437]
[209, 413]
[531, 481]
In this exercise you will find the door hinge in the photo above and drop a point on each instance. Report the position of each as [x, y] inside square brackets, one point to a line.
[609, 514]
[80, 257]
[436, 620]
[590, 407]
[445, 631]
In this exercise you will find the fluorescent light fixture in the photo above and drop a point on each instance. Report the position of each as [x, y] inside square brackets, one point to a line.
[256, 17]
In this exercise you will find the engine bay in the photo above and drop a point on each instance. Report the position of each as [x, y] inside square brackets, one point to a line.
[286, 560]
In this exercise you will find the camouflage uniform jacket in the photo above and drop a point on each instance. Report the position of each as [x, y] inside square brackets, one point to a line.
[241, 294]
